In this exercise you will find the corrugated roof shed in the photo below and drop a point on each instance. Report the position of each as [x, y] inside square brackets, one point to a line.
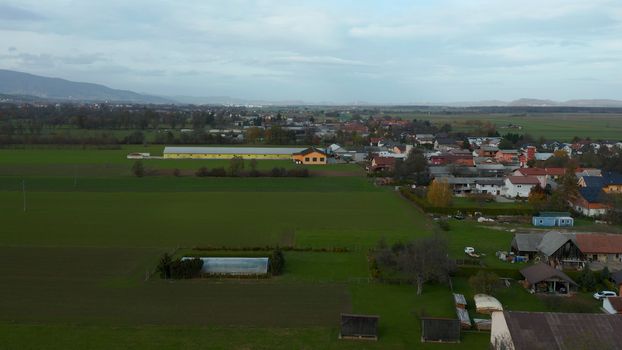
[232, 150]
[551, 330]
[440, 330]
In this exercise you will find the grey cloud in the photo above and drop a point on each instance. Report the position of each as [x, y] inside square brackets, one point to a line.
[12, 13]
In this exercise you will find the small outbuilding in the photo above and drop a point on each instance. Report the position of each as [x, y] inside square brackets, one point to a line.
[359, 327]
[544, 279]
[440, 330]
[613, 305]
[486, 304]
[553, 219]
[460, 301]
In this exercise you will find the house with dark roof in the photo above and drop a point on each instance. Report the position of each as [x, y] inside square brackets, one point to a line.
[590, 202]
[518, 330]
[311, 156]
[544, 279]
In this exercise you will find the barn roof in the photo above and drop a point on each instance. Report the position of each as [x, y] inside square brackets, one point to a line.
[552, 241]
[599, 243]
[542, 272]
[552, 330]
[233, 150]
[527, 242]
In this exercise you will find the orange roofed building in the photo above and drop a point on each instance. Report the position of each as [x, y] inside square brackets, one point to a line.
[311, 155]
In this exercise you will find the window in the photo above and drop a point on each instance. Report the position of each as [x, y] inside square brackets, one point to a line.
[306, 159]
[321, 159]
[315, 159]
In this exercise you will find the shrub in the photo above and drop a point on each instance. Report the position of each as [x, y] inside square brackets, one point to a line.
[484, 282]
[202, 172]
[277, 262]
[138, 169]
[188, 268]
[587, 280]
[218, 172]
[444, 225]
[278, 172]
[298, 172]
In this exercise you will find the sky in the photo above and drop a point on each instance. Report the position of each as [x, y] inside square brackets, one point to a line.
[324, 51]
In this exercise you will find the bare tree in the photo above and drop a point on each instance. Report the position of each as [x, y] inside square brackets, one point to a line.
[425, 260]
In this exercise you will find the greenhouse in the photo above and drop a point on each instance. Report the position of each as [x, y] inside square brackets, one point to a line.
[234, 266]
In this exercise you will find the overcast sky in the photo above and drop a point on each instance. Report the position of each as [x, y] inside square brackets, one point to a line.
[340, 51]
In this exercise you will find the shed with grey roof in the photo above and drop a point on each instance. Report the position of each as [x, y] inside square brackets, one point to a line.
[555, 331]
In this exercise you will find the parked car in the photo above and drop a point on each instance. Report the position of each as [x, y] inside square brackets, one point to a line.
[604, 294]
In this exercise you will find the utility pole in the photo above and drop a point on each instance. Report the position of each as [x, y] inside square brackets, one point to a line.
[24, 193]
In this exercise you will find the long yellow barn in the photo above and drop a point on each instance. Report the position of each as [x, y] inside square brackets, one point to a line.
[268, 153]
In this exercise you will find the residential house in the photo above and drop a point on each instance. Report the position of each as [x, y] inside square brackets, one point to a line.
[445, 144]
[544, 279]
[507, 156]
[487, 151]
[379, 164]
[552, 219]
[492, 186]
[519, 186]
[613, 305]
[311, 156]
[520, 330]
[590, 202]
[424, 139]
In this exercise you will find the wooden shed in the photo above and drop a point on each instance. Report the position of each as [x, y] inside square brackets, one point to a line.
[441, 330]
[359, 327]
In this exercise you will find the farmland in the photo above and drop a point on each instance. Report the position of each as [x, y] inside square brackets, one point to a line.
[82, 255]
[551, 126]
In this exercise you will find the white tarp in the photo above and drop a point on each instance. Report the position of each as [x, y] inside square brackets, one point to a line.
[485, 304]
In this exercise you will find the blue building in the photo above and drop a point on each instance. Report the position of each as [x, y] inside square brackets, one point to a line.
[552, 219]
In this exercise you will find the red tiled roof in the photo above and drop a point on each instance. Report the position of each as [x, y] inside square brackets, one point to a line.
[599, 243]
[616, 302]
[384, 161]
[524, 180]
[532, 171]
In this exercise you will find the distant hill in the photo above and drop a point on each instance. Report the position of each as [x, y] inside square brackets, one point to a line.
[24, 84]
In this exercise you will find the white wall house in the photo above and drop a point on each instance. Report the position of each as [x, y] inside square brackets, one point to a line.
[519, 186]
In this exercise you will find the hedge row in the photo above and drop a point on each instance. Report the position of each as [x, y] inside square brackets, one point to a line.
[271, 248]
[421, 202]
[468, 271]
